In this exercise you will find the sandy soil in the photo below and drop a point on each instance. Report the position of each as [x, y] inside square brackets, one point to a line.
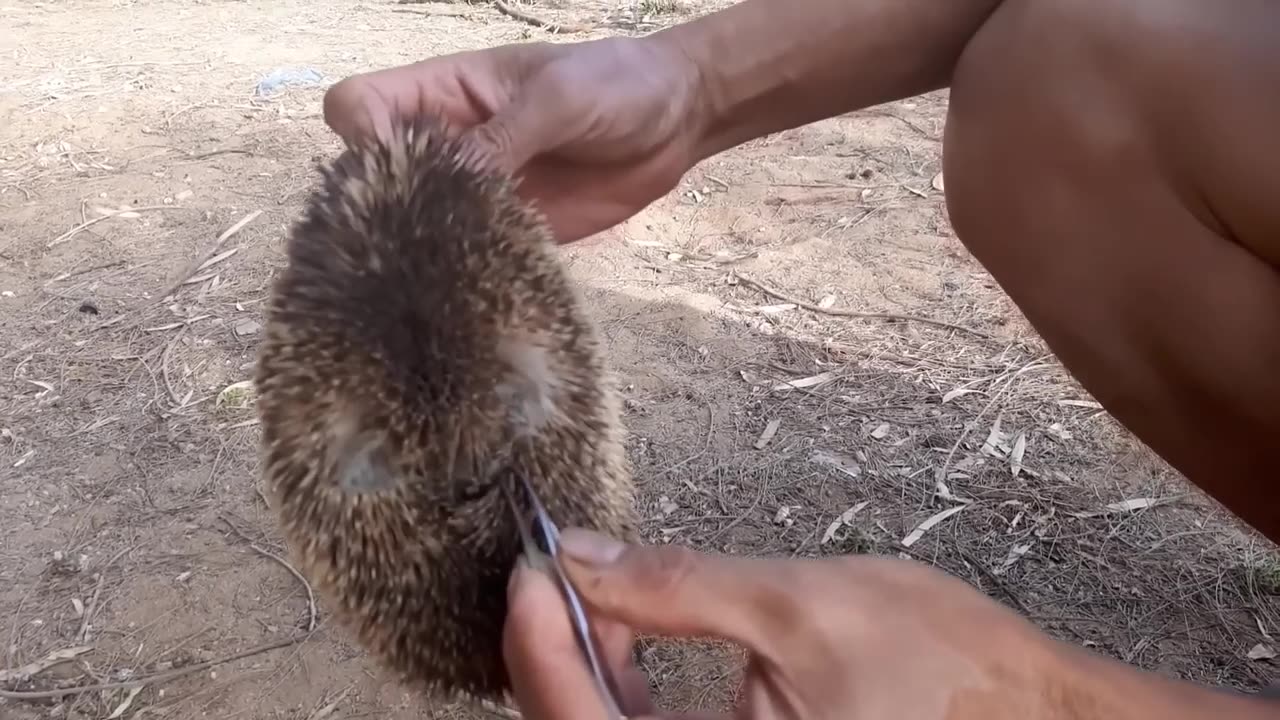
[133, 539]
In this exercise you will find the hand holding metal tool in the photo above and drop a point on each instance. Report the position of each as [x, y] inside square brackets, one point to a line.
[541, 539]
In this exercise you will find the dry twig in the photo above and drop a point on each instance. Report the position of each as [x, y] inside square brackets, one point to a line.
[154, 679]
[524, 17]
[313, 614]
[841, 312]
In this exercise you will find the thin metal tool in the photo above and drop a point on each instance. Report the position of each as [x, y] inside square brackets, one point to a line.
[541, 540]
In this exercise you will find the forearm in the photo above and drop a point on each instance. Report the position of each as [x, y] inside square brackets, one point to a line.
[1092, 687]
[772, 65]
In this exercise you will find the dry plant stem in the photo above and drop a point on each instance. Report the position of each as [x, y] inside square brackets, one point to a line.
[841, 312]
[313, 614]
[158, 677]
[83, 633]
[190, 270]
[89, 223]
[537, 22]
[945, 470]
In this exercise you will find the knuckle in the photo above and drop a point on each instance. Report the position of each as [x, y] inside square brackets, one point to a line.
[665, 569]
[494, 140]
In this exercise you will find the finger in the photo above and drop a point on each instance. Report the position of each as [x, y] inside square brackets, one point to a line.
[549, 676]
[675, 591]
[536, 120]
[359, 109]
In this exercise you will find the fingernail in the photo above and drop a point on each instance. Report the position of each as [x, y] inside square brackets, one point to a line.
[590, 547]
[516, 577]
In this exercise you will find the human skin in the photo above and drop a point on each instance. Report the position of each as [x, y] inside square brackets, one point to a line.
[854, 638]
[1112, 164]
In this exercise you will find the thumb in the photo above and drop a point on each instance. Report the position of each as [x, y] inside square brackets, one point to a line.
[678, 592]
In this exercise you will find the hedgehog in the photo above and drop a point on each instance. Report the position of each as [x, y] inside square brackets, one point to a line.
[423, 345]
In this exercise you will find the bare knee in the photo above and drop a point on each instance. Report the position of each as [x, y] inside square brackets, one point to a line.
[1178, 89]
[1102, 161]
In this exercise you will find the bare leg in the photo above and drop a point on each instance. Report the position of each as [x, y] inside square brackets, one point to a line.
[1115, 164]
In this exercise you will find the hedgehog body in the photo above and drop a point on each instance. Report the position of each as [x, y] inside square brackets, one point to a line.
[423, 345]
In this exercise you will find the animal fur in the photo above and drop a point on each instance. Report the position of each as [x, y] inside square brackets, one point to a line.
[423, 345]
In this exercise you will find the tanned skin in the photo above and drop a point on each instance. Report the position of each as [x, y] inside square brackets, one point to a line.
[1113, 164]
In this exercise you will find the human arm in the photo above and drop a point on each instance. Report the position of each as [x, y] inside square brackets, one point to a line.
[598, 130]
[769, 65]
[860, 638]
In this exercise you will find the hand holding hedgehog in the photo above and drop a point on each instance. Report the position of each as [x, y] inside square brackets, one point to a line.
[618, 150]
[857, 638]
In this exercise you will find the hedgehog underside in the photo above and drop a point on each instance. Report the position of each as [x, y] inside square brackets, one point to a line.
[432, 609]
[420, 577]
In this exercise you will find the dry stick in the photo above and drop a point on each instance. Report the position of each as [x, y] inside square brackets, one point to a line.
[158, 677]
[89, 223]
[941, 478]
[841, 312]
[164, 366]
[199, 262]
[191, 269]
[83, 634]
[311, 596]
[537, 22]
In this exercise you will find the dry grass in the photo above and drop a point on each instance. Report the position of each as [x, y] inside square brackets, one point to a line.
[133, 526]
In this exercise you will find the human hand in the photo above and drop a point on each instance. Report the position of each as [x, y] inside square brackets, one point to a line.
[595, 131]
[549, 675]
[851, 638]
[856, 638]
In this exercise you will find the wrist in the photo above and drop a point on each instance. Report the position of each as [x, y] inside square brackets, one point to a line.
[1088, 685]
[728, 85]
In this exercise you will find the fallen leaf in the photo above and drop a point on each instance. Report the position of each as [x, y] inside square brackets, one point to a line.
[811, 381]
[783, 516]
[928, 524]
[938, 183]
[1056, 430]
[953, 394]
[236, 395]
[775, 309]
[1125, 506]
[1015, 457]
[769, 431]
[1015, 554]
[1262, 651]
[1081, 403]
[846, 518]
[841, 463]
[827, 301]
[56, 657]
[995, 439]
[881, 431]
[667, 506]
[128, 700]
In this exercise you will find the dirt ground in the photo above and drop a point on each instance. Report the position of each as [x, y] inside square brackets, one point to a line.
[133, 541]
